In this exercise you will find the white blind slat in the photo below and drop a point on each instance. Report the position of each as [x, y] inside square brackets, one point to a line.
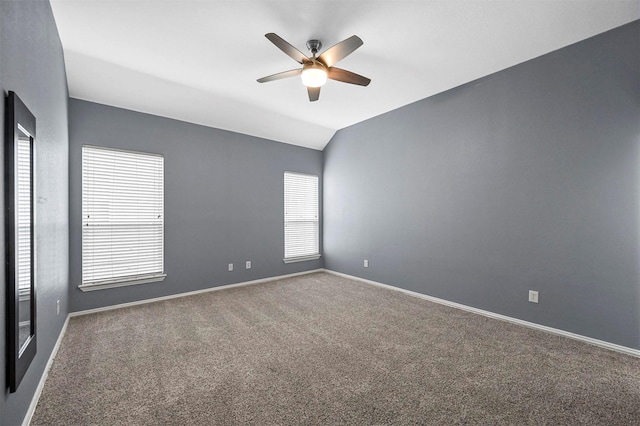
[122, 215]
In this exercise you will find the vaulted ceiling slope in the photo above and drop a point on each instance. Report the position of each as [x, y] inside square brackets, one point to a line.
[198, 61]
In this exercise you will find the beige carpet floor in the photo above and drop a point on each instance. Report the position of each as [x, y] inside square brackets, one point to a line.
[321, 349]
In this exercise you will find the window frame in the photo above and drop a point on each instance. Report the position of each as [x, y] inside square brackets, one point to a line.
[307, 256]
[127, 280]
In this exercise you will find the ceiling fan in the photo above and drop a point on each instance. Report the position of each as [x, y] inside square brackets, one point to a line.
[316, 70]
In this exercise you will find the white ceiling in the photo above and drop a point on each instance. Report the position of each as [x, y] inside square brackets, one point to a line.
[198, 61]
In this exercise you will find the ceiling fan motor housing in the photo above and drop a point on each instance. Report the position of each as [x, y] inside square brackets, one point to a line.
[314, 46]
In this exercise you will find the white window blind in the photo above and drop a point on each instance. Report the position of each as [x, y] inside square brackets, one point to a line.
[122, 217]
[301, 232]
[23, 210]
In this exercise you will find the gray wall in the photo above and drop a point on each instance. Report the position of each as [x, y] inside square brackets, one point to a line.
[32, 65]
[525, 179]
[223, 200]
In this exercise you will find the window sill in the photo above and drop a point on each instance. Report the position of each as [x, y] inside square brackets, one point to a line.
[123, 283]
[302, 258]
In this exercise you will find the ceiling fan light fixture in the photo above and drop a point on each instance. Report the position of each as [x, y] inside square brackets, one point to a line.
[317, 69]
[314, 75]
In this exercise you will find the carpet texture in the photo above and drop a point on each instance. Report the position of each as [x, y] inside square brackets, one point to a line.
[321, 349]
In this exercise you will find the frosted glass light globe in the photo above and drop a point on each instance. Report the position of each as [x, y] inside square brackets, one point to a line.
[314, 75]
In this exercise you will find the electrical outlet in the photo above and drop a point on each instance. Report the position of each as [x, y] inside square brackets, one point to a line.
[248, 264]
[57, 307]
[230, 267]
[533, 296]
[366, 263]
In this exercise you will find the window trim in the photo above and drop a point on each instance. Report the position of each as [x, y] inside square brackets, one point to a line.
[305, 257]
[301, 258]
[133, 279]
[122, 283]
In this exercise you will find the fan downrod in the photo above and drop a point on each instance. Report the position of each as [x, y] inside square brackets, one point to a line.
[314, 46]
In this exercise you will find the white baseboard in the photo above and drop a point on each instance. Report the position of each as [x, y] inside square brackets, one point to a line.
[191, 293]
[595, 342]
[43, 378]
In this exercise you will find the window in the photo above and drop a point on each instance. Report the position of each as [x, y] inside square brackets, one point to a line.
[301, 231]
[122, 218]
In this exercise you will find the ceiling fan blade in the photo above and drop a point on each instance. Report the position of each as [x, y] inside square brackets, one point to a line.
[287, 48]
[345, 76]
[314, 93]
[340, 51]
[280, 75]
